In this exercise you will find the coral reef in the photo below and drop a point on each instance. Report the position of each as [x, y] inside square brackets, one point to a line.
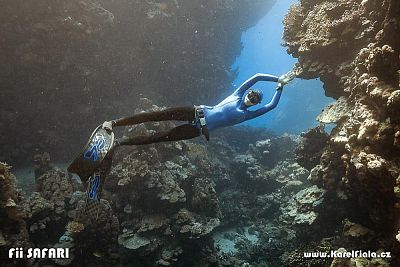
[353, 47]
[262, 188]
[13, 230]
[252, 166]
[255, 200]
[302, 207]
[168, 204]
[245, 202]
[309, 151]
[92, 237]
[54, 186]
[168, 188]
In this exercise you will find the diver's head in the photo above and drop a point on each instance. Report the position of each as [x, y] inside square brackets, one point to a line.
[253, 97]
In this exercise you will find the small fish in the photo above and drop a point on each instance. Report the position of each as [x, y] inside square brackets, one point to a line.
[97, 254]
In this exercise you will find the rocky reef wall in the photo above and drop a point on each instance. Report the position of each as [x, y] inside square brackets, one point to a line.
[242, 202]
[67, 65]
[196, 203]
[162, 203]
[353, 46]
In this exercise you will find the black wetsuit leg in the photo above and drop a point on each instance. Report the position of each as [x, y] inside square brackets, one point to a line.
[169, 114]
[182, 132]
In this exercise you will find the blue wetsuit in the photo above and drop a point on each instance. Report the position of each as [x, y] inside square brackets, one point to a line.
[232, 109]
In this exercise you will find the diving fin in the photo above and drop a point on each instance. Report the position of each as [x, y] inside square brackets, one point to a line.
[93, 194]
[95, 186]
[91, 157]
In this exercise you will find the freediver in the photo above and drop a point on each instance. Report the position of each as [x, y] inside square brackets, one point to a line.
[202, 119]
[94, 162]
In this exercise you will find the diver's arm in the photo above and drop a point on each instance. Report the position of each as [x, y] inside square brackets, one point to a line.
[253, 80]
[268, 107]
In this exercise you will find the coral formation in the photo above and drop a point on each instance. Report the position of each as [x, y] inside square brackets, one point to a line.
[168, 188]
[168, 204]
[161, 206]
[302, 207]
[353, 47]
[54, 186]
[309, 151]
[13, 229]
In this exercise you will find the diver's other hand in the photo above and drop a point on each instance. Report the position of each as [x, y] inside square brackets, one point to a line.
[108, 126]
[286, 78]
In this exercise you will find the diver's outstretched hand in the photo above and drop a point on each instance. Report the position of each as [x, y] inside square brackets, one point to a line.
[286, 78]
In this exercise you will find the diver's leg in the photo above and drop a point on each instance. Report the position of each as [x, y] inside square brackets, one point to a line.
[182, 132]
[173, 114]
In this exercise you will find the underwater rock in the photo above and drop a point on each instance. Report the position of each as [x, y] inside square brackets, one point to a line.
[168, 189]
[37, 204]
[334, 112]
[270, 151]
[98, 234]
[252, 174]
[353, 47]
[169, 256]
[45, 219]
[163, 197]
[355, 230]
[13, 226]
[54, 185]
[133, 241]
[289, 174]
[253, 169]
[235, 207]
[193, 225]
[153, 222]
[56, 188]
[308, 152]
[257, 205]
[245, 202]
[138, 168]
[204, 198]
[315, 28]
[9, 196]
[304, 206]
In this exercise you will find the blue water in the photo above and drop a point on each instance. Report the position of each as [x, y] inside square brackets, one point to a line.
[302, 100]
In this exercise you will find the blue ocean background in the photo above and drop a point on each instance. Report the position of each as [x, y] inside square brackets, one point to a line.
[302, 100]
